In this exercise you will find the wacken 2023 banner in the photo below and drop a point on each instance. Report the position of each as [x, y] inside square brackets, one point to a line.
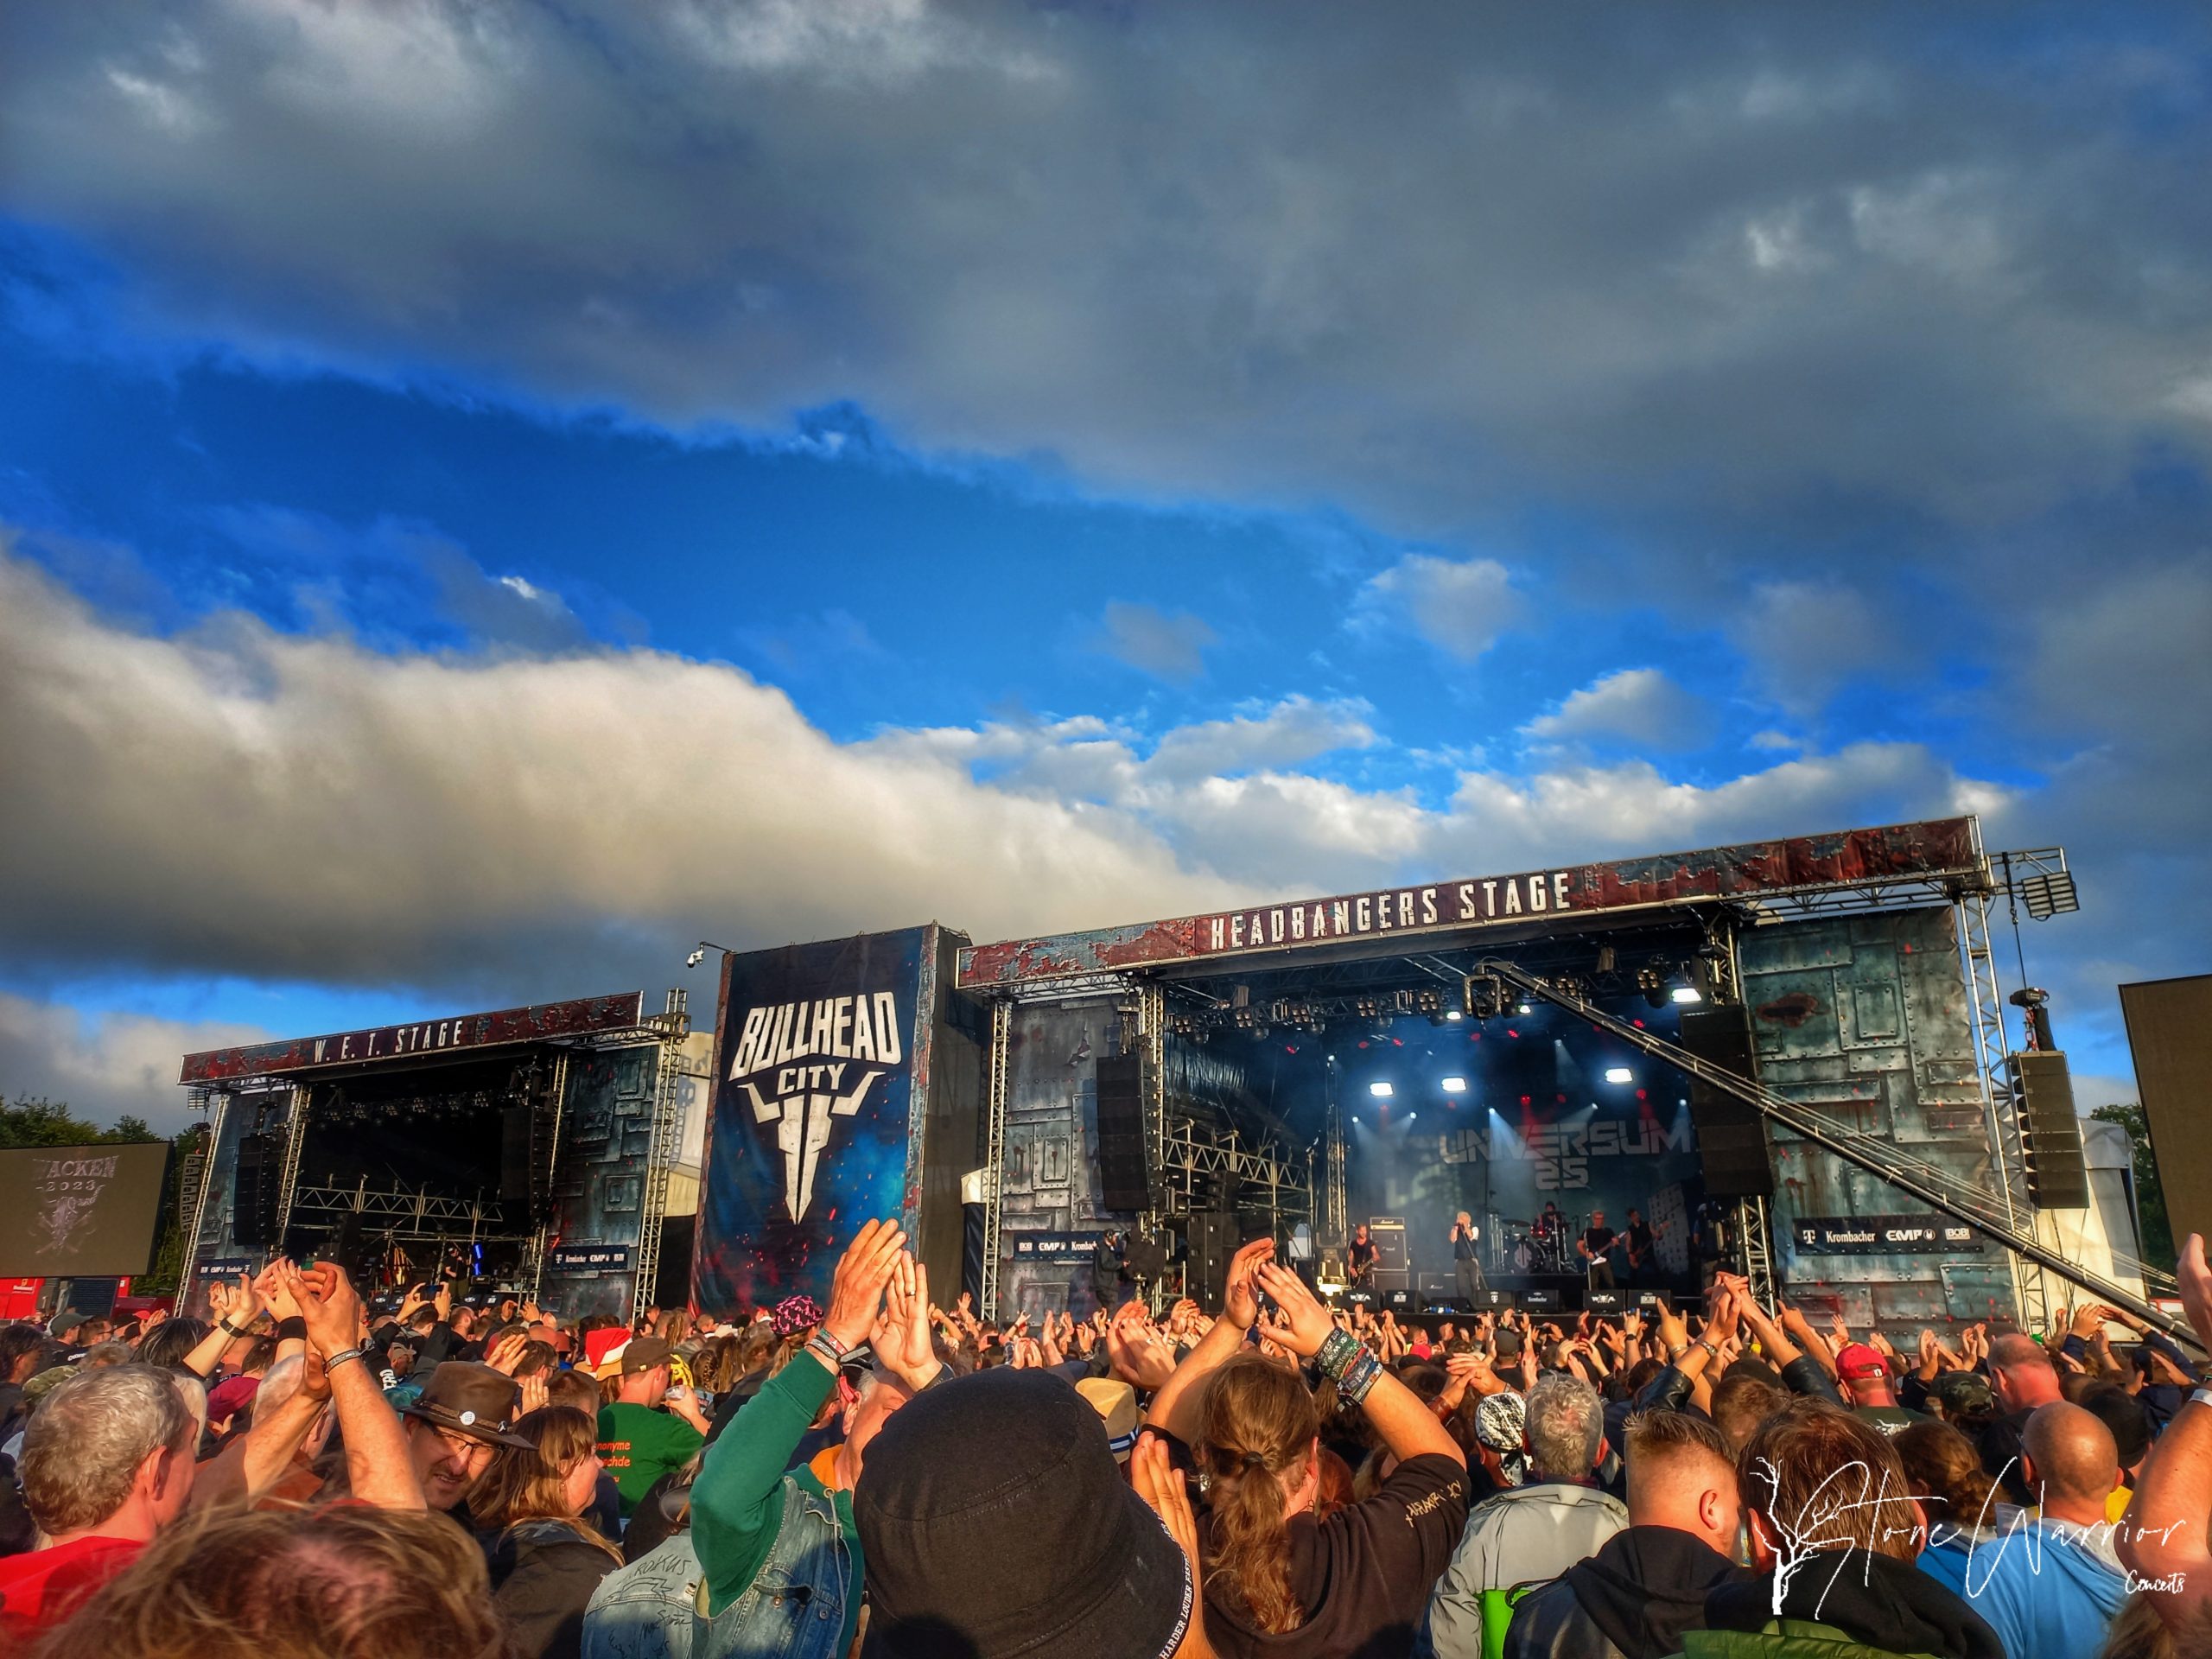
[815, 1067]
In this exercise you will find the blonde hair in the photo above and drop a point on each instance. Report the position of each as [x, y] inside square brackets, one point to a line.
[1260, 1427]
[530, 1484]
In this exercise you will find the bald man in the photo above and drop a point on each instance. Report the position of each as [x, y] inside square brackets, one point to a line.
[2024, 1380]
[1648, 1584]
[2055, 1592]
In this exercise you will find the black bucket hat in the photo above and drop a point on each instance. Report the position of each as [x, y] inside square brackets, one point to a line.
[995, 1523]
[470, 1399]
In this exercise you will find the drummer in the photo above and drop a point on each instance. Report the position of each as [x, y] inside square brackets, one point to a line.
[1551, 1224]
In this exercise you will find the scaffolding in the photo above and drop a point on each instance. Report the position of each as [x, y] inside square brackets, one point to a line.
[995, 1104]
[672, 1026]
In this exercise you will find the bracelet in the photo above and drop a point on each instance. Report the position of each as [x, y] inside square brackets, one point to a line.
[335, 1360]
[1335, 1353]
[1677, 1351]
[1359, 1378]
[233, 1330]
[2201, 1397]
[824, 1347]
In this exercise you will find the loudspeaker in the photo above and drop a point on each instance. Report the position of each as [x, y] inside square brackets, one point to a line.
[2169, 1029]
[1388, 1235]
[1213, 1241]
[2042, 1097]
[1604, 1301]
[1732, 1140]
[517, 1127]
[1439, 1287]
[1393, 1281]
[256, 1193]
[1539, 1302]
[1124, 1179]
[1145, 1258]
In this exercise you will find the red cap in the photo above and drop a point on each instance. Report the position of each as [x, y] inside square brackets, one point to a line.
[1856, 1359]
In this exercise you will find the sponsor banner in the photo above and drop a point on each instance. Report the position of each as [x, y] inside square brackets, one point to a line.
[1883, 1236]
[813, 1100]
[581, 1016]
[1056, 1246]
[80, 1212]
[588, 1258]
[1895, 852]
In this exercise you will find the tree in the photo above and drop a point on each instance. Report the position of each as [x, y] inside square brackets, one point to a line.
[29, 1121]
[2150, 1197]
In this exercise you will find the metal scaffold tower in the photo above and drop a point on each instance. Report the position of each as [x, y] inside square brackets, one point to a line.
[672, 1025]
[995, 1104]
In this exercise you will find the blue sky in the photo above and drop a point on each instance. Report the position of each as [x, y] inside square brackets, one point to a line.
[493, 494]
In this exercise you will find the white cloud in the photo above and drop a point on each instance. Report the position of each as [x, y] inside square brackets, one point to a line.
[105, 1065]
[1640, 704]
[1460, 605]
[1171, 644]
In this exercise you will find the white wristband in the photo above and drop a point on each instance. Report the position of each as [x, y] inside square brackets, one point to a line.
[2201, 1397]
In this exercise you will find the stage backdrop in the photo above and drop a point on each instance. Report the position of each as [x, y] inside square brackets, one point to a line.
[825, 1057]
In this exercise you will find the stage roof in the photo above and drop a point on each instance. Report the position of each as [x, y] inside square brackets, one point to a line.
[419, 1040]
[1436, 913]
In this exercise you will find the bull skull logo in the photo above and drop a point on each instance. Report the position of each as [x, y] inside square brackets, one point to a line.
[802, 1121]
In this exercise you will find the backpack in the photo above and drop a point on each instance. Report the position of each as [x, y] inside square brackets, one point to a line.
[656, 1607]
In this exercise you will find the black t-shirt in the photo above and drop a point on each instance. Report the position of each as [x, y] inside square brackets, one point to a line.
[1463, 1248]
[1363, 1576]
[1551, 1222]
[1363, 1255]
[1639, 1238]
[1597, 1238]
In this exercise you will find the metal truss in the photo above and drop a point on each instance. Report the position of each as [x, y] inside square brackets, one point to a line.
[1196, 1151]
[421, 1207]
[2002, 1122]
[295, 1135]
[672, 1026]
[1334, 1224]
[1956, 1197]
[1755, 1248]
[193, 1199]
[1152, 1072]
[995, 1104]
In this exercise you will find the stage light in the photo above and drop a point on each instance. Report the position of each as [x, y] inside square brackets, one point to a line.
[2050, 895]
[1525, 1008]
[1380, 1090]
[1688, 994]
[1411, 1115]
[1453, 1013]
[1619, 1074]
[1455, 1085]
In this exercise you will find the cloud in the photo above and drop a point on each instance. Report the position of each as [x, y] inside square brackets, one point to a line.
[1840, 257]
[1460, 605]
[1169, 646]
[1640, 704]
[1804, 639]
[105, 1065]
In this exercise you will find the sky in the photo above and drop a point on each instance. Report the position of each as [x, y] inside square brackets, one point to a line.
[491, 495]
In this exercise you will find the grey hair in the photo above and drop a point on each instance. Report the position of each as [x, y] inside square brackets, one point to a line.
[85, 1444]
[1565, 1421]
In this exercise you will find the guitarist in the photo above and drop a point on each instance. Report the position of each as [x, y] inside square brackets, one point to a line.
[1640, 1240]
[1595, 1247]
[1360, 1259]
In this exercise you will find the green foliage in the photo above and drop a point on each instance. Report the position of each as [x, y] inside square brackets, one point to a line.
[29, 1122]
[2149, 1197]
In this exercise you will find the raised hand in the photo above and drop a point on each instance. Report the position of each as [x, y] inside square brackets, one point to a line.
[328, 1304]
[1157, 1481]
[271, 1292]
[906, 1348]
[1134, 1350]
[1239, 1305]
[1307, 1323]
[533, 1393]
[862, 1272]
[505, 1354]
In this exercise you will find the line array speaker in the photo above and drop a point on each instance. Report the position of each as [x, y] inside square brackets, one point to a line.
[2043, 1099]
[1732, 1140]
[256, 1192]
[1124, 1177]
[2170, 1032]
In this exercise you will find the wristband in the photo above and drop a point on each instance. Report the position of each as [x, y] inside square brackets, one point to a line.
[332, 1362]
[1677, 1351]
[292, 1329]
[825, 1348]
[1359, 1378]
[1335, 1353]
[2201, 1397]
[233, 1330]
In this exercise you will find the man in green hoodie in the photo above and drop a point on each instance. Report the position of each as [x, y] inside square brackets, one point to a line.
[772, 1561]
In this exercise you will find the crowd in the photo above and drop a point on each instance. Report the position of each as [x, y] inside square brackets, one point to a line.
[305, 1474]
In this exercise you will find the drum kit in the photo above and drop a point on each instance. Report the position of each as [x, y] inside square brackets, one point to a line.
[1533, 1247]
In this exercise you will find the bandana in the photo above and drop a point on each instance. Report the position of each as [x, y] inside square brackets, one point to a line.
[795, 1314]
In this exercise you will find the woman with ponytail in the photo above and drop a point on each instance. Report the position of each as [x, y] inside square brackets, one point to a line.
[1280, 1581]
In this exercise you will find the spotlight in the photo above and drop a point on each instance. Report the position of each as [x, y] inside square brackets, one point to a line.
[1652, 982]
[1455, 1085]
[694, 958]
[1452, 1014]
[1411, 1115]
[1380, 1090]
[2050, 895]
[1619, 1074]
[1524, 1008]
[1686, 994]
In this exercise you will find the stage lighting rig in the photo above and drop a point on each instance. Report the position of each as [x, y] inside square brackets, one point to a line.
[2050, 894]
[1485, 996]
[1651, 980]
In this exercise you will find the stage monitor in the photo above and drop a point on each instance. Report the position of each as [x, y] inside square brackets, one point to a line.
[2170, 1029]
[80, 1212]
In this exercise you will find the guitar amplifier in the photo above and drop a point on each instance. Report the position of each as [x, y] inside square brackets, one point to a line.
[1438, 1286]
[1387, 1280]
[1388, 1234]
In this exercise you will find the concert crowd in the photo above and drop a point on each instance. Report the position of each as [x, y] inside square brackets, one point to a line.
[442, 1474]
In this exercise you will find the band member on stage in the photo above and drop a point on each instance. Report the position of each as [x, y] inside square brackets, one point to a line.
[1465, 1263]
[1551, 1239]
[1361, 1259]
[1596, 1241]
[1641, 1238]
[1710, 1245]
[1551, 1224]
[1109, 1272]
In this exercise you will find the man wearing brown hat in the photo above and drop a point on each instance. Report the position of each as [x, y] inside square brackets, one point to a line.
[463, 1412]
[639, 1440]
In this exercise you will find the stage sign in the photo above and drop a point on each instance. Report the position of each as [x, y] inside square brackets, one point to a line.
[588, 1258]
[76, 1212]
[1056, 1246]
[1883, 1236]
[1897, 852]
[813, 1103]
[581, 1017]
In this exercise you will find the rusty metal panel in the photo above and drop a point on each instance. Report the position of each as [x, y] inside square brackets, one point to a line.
[1866, 1019]
[1942, 848]
[578, 1017]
